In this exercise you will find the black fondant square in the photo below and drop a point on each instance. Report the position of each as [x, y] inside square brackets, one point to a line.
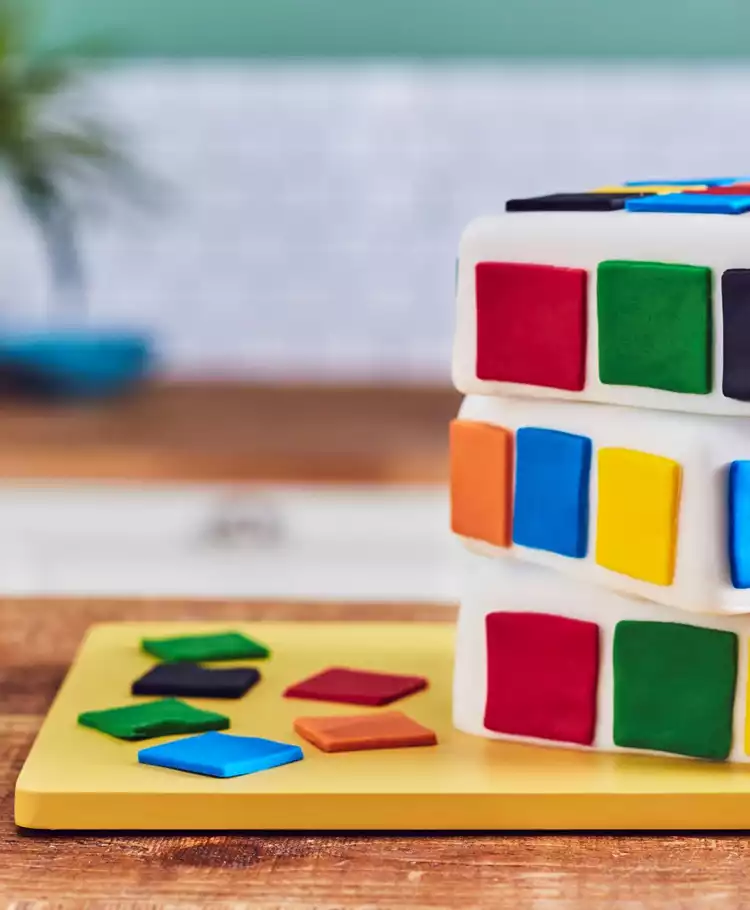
[572, 202]
[735, 292]
[192, 680]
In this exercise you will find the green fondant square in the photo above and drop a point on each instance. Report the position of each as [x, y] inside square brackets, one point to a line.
[655, 325]
[674, 688]
[197, 648]
[166, 717]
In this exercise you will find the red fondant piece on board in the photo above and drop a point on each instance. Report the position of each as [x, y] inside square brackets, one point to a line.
[356, 687]
[735, 189]
[542, 673]
[531, 324]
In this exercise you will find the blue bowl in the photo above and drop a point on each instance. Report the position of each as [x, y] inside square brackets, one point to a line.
[79, 363]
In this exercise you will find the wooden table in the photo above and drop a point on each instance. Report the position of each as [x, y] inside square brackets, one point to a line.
[308, 872]
[235, 431]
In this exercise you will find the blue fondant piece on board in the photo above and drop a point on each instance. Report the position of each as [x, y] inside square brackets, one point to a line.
[695, 181]
[551, 510]
[739, 523]
[220, 755]
[694, 203]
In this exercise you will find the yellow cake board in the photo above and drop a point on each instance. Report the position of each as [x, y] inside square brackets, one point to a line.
[76, 778]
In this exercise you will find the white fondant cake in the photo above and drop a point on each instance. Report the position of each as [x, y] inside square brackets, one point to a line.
[600, 471]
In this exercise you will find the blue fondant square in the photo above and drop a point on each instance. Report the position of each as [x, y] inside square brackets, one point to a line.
[739, 523]
[220, 755]
[695, 203]
[551, 510]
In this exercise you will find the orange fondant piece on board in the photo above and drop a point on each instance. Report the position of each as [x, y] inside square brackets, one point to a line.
[389, 730]
[481, 476]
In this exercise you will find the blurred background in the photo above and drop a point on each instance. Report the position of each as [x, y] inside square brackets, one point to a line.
[251, 397]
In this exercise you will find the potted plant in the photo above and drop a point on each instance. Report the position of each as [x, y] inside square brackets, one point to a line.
[54, 158]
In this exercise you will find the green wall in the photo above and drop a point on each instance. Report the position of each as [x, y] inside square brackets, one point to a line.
[409, 28]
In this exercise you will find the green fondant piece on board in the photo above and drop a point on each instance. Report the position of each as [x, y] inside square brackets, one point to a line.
[197, 648]
[674, 688]
[166, 717]
[655, 325]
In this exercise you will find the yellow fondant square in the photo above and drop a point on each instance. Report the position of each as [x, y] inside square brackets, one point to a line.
[639, 497]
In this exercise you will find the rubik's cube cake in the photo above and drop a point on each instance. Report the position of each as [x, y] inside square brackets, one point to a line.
[600, 470]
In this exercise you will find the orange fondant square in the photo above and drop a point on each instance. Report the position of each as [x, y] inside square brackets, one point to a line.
[389, 730]
[481, 481]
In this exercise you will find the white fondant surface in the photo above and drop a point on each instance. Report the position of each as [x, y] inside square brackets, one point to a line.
[703, 444]
[583, 240]
[504, 586]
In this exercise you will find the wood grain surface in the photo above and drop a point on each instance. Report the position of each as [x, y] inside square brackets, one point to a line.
[305, 871]
[231, 431]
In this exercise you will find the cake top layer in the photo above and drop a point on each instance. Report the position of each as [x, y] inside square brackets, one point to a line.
[575, 296]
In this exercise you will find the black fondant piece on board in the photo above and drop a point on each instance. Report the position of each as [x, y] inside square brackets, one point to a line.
[572, 202]
[192, 680]
[735, 292]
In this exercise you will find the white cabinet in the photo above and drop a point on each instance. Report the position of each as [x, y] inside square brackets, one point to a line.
[354, 543]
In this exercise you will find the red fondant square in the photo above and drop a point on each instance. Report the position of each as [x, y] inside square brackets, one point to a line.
[734, 189]
[531, 324]
[356, 687]
[542, 674]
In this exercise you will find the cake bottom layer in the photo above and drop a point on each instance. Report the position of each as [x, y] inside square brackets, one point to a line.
[546, 659]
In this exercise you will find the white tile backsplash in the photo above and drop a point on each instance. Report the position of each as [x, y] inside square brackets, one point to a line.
[313, 212]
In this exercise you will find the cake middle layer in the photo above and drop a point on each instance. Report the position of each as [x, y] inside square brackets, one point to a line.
[653, 504]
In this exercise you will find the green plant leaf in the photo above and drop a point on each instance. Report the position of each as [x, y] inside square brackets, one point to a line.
[55, 157]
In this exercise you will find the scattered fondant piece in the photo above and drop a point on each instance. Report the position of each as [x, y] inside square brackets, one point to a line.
[573, 202]
[739, 523]
[639, 496]
[157, 718]
[735, 294]
[531, 324]
[221, 755]
[195, 648]
[655, 326]
[194, 681]
[690, 203]
[542, 673]
[356, 687]
[551, 510]
[481, 478]
[389, 730]
[674, 688]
